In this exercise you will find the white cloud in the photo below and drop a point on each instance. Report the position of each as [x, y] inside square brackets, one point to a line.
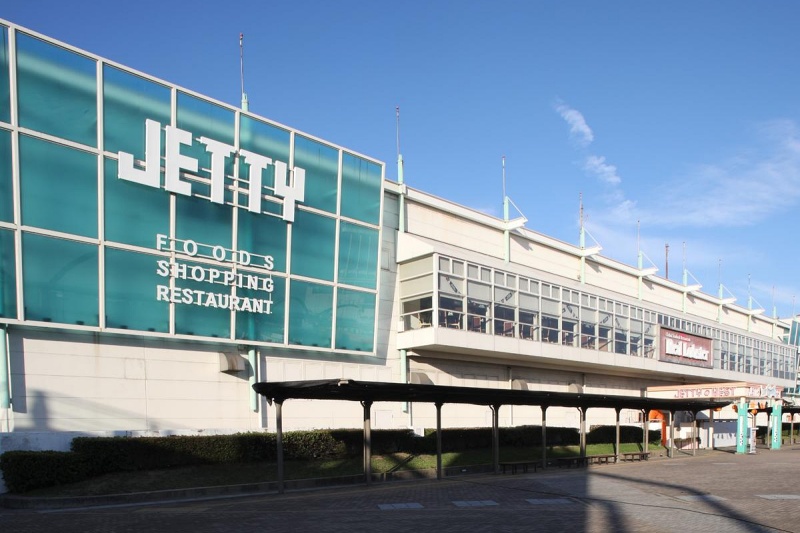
[578, 129]
[741, 191]
[597, 166]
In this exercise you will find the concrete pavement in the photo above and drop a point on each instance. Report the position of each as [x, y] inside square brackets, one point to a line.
[712, 492]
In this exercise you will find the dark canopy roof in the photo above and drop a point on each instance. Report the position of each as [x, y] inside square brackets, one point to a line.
[370, 391]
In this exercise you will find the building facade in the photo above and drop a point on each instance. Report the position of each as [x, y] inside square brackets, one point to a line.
[161, 251]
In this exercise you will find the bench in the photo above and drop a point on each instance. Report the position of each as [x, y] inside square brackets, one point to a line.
[513, 465]
[635, 456]
[601, 459]
[569, 462]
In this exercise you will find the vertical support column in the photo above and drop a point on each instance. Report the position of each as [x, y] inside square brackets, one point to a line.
[582, 411]
[616, 442]
[791, 429]
[367, 442]
[777, 424]
[645, 430]
[695, 434]
[711, 429]
[279, 442]
[404, 371]
[672, 434]
[496, 438]
[742, 436]
[544, 435]
[252, 358]
[439, 441]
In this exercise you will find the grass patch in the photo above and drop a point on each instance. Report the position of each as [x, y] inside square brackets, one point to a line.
[247, 473]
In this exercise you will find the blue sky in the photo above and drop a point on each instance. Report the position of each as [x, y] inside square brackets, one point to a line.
[679, 118]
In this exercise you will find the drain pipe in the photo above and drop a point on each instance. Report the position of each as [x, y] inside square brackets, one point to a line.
[5, 378]
[252, 357]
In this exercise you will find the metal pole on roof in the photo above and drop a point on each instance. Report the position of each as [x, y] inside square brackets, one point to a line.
[400, 176]
[506, 232]
[245, 105]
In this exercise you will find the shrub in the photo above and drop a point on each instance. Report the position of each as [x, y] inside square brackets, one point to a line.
[24, 470]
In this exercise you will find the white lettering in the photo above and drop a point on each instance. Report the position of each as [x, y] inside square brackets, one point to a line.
[163, 268]
[177, 161]
[219, 153]
[218, 252]
[190, 248]
[162, 293]
[257, 164]
[150, 175]
[292, 191]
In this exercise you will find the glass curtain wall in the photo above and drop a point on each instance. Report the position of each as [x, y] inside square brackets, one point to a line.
[197, 258]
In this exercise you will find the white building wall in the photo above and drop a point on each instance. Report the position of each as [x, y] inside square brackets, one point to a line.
[83, 382]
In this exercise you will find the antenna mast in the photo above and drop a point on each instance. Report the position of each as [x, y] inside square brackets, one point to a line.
[505, 198]
[245, 105]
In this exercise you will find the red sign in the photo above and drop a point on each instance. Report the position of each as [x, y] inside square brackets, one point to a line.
[685, 349]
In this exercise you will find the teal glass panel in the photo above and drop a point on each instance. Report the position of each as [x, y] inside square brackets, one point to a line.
[267, 327]
[129, 100]
[5, 85]
[263, 139]
[358, 255]
[131, 291]
[58, 187]
[310, 314]
[204, 119]
[8, 275]
[202, 308]
[6, 187]
[361, 189]
[56, 90]
[313, 243]
[355, 320]
[60, 280]
[133, 213]
[203, 221]
[321, 164]
[263, 235]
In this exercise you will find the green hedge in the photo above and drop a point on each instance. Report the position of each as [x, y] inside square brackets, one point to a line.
[93, 456]
[24, 471]
[606, 434]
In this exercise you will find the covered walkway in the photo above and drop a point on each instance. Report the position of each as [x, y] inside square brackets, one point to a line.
[367, 393]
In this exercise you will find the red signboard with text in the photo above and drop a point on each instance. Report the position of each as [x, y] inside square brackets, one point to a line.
[685, 349]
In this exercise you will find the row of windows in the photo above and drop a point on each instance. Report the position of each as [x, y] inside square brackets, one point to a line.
[488, 301]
